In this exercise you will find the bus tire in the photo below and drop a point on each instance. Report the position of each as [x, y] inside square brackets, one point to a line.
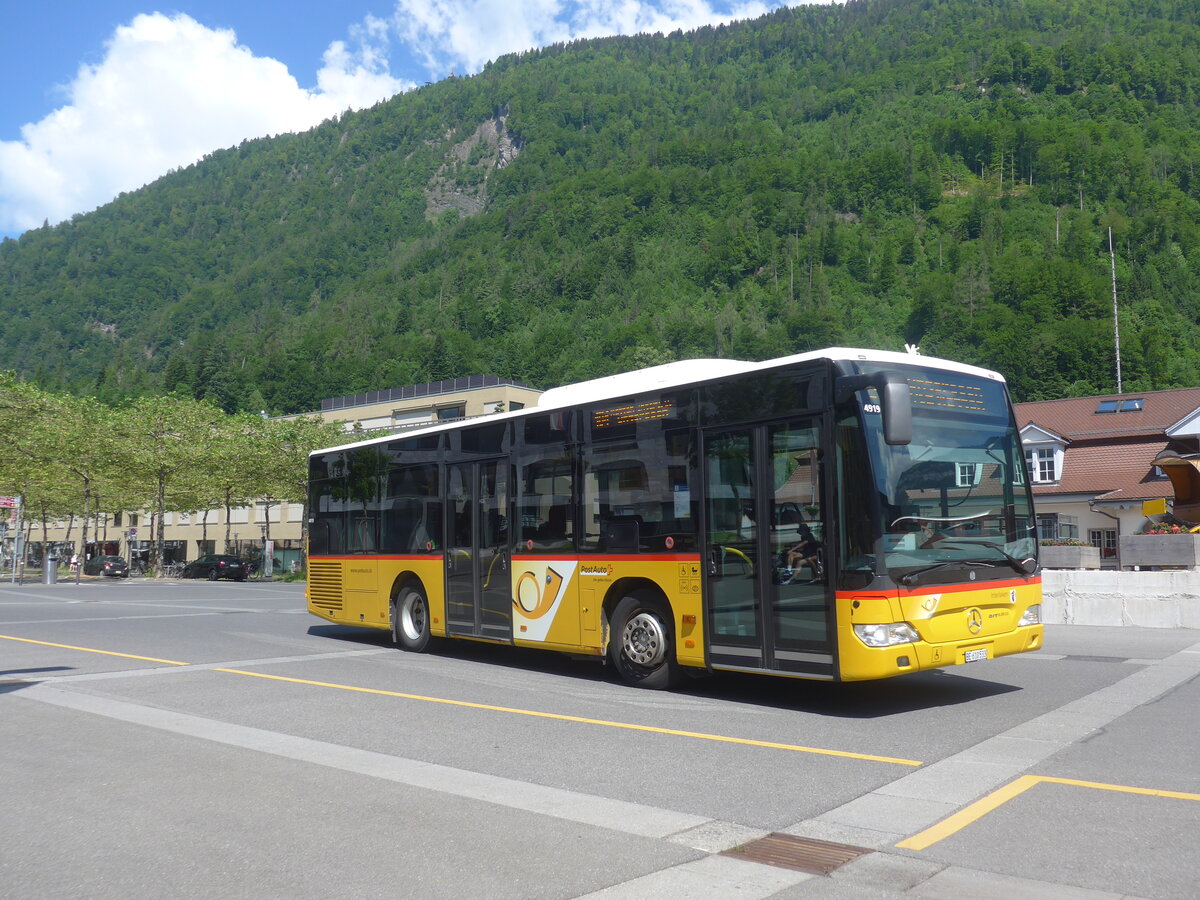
[410, 619]
[642, 646]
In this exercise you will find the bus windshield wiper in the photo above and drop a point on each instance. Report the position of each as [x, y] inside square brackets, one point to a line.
[1022, 566]
[910, 578]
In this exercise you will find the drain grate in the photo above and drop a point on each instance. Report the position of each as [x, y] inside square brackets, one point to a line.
[802, 854]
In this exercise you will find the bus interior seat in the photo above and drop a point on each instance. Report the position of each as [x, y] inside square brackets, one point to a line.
[621, 534]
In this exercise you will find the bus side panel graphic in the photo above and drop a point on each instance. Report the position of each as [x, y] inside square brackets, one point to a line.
[543, 601]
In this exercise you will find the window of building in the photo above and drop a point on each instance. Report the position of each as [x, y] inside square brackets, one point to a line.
[448, 413]
[968, 474]
[1040, 462]
[1052, 526]
[1106, 540]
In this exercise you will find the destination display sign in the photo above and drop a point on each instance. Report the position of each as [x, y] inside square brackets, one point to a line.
[633, 412]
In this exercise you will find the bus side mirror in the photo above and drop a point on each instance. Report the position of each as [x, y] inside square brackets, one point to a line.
[895, 402]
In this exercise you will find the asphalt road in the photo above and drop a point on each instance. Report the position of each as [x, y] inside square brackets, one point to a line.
[213, 740]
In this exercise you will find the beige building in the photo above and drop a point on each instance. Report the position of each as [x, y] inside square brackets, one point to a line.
[191, 535]
[1093, 462]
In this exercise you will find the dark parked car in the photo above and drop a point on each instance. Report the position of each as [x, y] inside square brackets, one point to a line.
[214, 567]
[113, 566]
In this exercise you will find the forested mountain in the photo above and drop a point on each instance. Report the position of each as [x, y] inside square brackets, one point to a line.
[941, 172]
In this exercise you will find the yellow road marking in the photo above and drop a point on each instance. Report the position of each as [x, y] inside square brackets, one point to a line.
[585, 721]
[1122, 788]
[994, 800]
[773, 745]
[169, 662]
[965, 817]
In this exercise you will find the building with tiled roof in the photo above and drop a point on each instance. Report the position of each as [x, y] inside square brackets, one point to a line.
[1093, 461]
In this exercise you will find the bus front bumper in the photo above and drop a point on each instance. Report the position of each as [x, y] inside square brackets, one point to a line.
[861, 663]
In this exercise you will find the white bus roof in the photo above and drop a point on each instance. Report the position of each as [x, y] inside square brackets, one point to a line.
[677, 374]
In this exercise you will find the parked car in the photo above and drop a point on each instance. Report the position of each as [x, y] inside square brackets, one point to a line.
[112, 566]
[214, 567]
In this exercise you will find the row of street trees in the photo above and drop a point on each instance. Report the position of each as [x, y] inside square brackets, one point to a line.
[74, 456]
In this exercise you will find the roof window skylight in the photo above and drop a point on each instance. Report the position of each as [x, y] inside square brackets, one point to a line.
[1113, 406]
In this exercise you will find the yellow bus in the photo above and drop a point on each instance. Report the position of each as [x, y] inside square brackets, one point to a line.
[839, 515]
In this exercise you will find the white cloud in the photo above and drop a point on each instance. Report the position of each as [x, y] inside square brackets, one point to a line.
[465, 34]
[358, 78]
[168, 91]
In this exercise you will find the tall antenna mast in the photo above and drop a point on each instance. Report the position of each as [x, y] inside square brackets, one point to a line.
[1112, 259]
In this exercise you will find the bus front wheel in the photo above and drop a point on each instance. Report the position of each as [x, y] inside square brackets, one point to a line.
[642, 645]
[410, 620]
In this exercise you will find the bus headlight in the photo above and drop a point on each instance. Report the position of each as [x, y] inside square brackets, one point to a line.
[1033, 615]
[886, 635]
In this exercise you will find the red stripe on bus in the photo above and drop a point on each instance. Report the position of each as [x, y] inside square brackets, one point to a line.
[945, 588]
[632, 557]
[436, 556]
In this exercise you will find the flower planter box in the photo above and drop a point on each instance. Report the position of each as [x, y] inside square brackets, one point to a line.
[1160, 551]
[1068, 557]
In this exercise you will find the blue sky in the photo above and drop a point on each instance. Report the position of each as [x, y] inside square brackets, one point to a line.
[103, 96]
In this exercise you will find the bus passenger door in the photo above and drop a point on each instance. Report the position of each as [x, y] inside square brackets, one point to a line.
[478, 595]
[768, 597]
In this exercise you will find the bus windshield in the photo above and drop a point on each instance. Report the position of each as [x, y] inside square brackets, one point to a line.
[956, 497]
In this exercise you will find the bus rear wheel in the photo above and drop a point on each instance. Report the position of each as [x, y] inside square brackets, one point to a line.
[642, 642]
[410, 620]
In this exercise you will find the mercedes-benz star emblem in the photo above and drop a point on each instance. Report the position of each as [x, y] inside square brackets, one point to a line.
[974, 621]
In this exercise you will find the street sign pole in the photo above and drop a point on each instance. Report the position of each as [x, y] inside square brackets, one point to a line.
[18, 542]
[14, 504]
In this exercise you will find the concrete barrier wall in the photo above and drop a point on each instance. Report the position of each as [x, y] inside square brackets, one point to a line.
[1149, 599]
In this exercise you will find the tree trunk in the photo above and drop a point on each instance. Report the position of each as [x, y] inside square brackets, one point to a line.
[151, 563]
[45, 534]
[83, 528]
[228, 525]
[160, 501]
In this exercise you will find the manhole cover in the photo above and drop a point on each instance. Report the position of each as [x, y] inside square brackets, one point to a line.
[802, 854]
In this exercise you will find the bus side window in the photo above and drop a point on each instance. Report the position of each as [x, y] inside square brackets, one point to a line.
[412, 516]
[544, 504]
[327, 517]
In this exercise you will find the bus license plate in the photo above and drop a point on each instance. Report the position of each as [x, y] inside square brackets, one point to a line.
[975, 655]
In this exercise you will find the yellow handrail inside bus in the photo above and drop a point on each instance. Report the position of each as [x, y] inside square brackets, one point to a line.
[737, 552]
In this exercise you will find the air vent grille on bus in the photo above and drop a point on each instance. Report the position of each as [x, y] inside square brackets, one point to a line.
[325, 585]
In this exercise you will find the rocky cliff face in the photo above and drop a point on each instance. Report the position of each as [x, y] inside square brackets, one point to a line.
[460, 183]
